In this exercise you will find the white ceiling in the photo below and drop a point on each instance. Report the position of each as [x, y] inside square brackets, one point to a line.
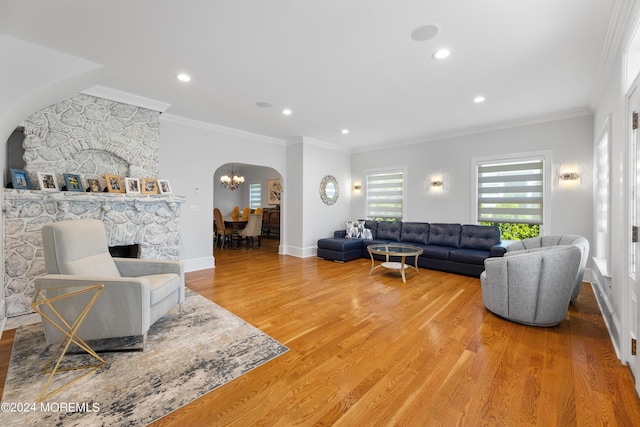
[336, 63]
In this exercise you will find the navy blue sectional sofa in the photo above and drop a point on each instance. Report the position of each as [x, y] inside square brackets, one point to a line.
[453, 248]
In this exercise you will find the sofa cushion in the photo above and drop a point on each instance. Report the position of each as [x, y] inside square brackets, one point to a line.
[482, 237]
[436, 252]
[389, 231]
[469, 256]
[445, 235]
[338, 244]
[415, 232]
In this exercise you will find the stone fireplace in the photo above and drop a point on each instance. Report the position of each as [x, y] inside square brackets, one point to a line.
[91, 137]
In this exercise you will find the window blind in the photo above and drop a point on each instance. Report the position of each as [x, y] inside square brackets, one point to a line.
[511, 192]
[255, 196]
[385, 195]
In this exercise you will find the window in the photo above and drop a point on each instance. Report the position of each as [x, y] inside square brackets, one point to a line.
[603, 192]
[255, 195]
[385, 195]
[510, 194]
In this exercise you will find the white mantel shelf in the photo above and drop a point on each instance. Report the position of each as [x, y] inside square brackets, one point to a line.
[149, 220]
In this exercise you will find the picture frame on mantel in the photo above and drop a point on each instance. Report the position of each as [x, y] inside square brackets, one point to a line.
[149, 186]
[114, 184]
[164, 187]
[73, 182]
[274, 191]
[47, 181]
[20, 179]
[93, 185]
[132, 185]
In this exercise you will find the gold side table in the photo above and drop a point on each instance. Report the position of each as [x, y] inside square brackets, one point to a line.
[44, 302]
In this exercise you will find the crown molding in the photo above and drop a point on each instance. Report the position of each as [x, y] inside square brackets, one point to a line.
[221, 129]
[569, 114]
[322, 144]
[126, 98]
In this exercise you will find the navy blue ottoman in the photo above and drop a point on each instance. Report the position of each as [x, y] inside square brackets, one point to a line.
[339, 249]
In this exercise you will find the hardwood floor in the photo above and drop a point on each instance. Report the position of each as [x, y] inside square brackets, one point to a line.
[370, 350]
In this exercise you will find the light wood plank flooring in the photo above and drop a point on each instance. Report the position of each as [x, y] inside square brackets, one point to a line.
[371, 350]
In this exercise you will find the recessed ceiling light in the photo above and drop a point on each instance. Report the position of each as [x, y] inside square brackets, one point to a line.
[425, 32]
[263, 104]
[479, 99]
[345, 131]
[184, 77]
[286, 112]
[441, 54]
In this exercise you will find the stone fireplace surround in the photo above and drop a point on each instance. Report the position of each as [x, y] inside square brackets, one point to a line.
[89, 136]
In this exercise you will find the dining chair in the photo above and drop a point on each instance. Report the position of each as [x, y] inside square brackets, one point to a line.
[222, 232]
[258, 211]
[235, 213]
[245, 213]
[253, 229]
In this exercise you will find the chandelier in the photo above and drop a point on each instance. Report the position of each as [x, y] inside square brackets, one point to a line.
[231, 182]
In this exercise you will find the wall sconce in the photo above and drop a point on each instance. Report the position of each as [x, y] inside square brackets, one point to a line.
[357, 187]
[436, 183]
[569, 176]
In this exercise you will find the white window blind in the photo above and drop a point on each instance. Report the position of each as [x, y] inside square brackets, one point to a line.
[255, 196]
[511, 192]
[385, 195]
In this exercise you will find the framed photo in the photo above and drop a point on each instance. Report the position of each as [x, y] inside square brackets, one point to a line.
[73, 182]
[274, 191]
[93, 185]
[164, 187]
[114, 184]
[20, 179]
[132, 185]
[149, 186]
[47, 181]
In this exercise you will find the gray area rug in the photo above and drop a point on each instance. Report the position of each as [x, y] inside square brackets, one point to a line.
[185, 357]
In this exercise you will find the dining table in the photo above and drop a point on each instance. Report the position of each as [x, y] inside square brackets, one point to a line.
[236, 224]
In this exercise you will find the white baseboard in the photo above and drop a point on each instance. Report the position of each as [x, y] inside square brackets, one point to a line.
[299, 252]
[196, 264]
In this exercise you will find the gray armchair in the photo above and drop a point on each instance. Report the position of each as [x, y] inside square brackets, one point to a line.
[542, 242]
[533, 286]
[136, 292]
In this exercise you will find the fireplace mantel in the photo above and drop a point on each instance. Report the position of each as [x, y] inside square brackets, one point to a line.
[152, 221]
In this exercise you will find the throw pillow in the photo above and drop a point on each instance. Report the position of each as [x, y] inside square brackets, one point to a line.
[357, 230]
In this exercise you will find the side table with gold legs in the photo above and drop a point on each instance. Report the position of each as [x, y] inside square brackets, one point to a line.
[44, 302]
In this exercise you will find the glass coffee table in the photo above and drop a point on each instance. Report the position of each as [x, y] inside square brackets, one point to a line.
[390, 249]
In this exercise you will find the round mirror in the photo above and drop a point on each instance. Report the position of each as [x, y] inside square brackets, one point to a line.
[329, 190]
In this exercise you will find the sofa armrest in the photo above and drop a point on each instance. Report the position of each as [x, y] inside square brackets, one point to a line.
[340, 234]
[133, 267]
[500, 249]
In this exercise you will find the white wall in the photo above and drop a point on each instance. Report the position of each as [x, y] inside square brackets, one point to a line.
[569, 140]
[190, 154]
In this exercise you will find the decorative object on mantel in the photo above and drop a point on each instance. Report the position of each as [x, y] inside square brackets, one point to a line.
[329, 190]
[114, 184]
[73, 182]
[149, 186]
[231, 182]
[20, 179]
[93, 185]
[132, 185]
[274, 191]
[164, 187]
[47, 181]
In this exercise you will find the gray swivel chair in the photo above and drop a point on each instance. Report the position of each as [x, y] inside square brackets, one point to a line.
[542, 242]
[136, 292]
[533, 287]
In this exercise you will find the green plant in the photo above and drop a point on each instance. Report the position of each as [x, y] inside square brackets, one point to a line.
[515, 231]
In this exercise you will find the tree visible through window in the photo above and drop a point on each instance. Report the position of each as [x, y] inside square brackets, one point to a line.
[385, 195]
[511, 196]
